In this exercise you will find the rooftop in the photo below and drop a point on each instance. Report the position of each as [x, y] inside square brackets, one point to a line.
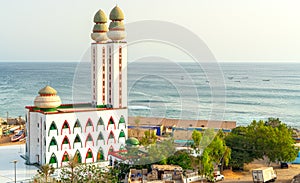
[71, 108]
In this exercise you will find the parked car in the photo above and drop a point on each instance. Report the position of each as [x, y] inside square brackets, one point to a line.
[219, 177]
[284, 165]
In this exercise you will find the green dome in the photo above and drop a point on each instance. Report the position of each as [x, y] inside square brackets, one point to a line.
[132, 141]
[116, 14]
[116, 26]
[100, 28]
[100, 17]
[47, 90]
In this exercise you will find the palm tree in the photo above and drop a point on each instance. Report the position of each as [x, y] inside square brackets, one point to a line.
[45, 171]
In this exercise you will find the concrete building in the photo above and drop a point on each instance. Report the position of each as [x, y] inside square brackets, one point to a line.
[92, 130]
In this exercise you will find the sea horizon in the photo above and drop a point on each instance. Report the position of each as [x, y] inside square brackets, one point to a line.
[254, 90]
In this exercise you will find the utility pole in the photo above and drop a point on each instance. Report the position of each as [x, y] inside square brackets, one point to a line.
[15, 166]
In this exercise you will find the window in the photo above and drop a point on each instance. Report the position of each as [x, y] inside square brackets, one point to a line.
[77, 125]
[53, 142]
[65, 141]
[77, 157]
[89, 154]
[65, 125]
[53, 127]
[89, 123]
[111, 135]
[77, 140]
[100, 121]
[122, 134]
[100, 136]
[53, 159]
[110, 122]
[65, 157]
[89, 138]
[100, 155]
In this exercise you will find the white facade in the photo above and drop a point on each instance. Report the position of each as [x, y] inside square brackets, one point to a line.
[109, 74]
[58, 134]
[55, 132]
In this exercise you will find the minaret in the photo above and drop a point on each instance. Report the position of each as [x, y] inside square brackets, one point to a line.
[99, 60]
[109, 60]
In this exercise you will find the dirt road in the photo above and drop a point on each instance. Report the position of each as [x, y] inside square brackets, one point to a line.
[283, 175]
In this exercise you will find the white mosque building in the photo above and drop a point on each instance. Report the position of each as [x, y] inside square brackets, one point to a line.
[90, 131]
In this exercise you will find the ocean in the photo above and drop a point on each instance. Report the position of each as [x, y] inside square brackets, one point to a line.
[238, 92]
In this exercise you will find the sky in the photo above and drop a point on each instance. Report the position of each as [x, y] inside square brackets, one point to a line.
[234, 30]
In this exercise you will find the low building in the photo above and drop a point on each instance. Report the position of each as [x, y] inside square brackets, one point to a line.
[159, 173]
[178, 127]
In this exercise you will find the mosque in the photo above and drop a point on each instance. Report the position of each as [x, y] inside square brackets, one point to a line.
[87, 131]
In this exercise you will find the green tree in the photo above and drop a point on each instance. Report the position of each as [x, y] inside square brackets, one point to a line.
[148, 138]
[239, 144]
[181, 158]
[214, 150]
[263, 139]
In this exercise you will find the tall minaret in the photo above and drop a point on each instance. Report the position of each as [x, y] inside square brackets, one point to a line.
[109, 60]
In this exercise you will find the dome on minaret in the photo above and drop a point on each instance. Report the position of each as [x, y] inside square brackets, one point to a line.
[116, 27]
[47, 98]
[116, 14]
[100, 17]
[100, 29]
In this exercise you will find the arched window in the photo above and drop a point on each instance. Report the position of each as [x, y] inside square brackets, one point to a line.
[65, 141]
[100, 155]
[100, 122]
[89, 154]
[77, 140]
[110, 122]
[100, 137]
[89, 138]
[77, 125]
[65, 158]
[65, 126]
[53, 127]
[53, 142]
[77, 157]
[88, 124]
[121, 135]
[122, 120]
[53, 159]
[111, 136]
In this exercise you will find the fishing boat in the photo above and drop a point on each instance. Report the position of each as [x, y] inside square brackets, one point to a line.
[19, 135]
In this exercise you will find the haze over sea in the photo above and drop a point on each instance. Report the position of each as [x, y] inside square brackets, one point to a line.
[173, 90]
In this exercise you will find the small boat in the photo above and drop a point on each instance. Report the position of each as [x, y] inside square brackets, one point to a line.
[230, 78]
[266, 80]
[18, 136]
